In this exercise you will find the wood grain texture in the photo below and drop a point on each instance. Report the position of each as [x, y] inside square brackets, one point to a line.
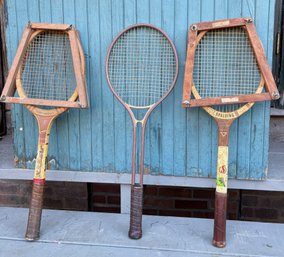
[178, 142]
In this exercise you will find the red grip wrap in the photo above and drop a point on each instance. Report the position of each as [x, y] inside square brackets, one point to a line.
[39, 181]
[219, 239]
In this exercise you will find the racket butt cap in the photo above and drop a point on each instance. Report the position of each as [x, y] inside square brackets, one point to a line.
[134, 234]
[219, 244]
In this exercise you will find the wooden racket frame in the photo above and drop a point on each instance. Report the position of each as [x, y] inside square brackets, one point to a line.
[7, 95]
[135, 230]
[225, 119]
[44, 117]
[193, 39]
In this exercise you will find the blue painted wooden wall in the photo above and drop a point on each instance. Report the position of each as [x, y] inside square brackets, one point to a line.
[181, 142]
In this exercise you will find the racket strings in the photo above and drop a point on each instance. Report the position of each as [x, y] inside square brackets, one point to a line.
[141, 66]
[47, 71]
[225, 65]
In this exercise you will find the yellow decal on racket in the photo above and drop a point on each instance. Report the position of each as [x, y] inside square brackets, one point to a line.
[222, 170]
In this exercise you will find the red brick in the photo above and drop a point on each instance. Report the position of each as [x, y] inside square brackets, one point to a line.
[183, 204]
[49, 203]
[182, 192]
[232, 207]
[232, 216]
[99, 199]
[75, 204]
[150, 190]
[14, 200]
[204, 193]
[113, 200]
[150, 211]
[233, 194]
[249, 200]
[110, 188]
[203, 214]
[158, 202]
[175, 213]
[106, 209]
[266, 214]
[247, 212]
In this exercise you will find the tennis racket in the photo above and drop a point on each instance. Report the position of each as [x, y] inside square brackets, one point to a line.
[226, 79]
[47, 74]
[141, 70]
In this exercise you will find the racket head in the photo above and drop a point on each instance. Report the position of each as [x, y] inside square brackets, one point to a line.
[228, 66]
[141, 66]
[48, 69]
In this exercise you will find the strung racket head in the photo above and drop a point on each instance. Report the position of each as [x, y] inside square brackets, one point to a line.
[141, 66]
[229, 66]
[48, 68]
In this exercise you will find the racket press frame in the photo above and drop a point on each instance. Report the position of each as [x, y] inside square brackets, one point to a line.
[269, 83]
[7, 95]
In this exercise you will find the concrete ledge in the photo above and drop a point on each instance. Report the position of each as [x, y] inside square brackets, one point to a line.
[69, 233]
[274, 182]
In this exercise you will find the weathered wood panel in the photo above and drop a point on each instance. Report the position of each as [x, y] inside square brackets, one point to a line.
[180, 142]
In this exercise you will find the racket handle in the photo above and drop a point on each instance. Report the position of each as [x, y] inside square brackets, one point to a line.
[135, 230]
[33, 227]
[219, 239]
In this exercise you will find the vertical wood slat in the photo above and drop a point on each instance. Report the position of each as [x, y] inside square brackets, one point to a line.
[85, 115]
[178, 142]
[205, 121]
[167, 106]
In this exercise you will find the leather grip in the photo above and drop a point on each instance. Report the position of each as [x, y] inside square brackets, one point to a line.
[135, 230]
[33, 227]
[219, 238]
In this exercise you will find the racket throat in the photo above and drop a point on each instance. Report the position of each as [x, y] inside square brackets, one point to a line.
[44, 127]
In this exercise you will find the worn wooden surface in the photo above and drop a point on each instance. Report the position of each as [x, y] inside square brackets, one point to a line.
[178, 142]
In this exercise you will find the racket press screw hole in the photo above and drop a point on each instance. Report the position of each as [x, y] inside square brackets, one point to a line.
[275, 95]
[194, 27]
[248, 20]
[2, 98]
[186, 102]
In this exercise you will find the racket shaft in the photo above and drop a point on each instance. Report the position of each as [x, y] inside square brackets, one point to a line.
[219, 238]
[135, 231]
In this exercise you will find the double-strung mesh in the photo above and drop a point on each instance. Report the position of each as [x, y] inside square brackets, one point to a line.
[141, 66]
[47, 71]
[225, 65]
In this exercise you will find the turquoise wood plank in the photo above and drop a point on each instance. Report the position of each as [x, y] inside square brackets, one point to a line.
[167, 135]
[244, 122]
[180, 39]
[18, 109]
[155, 121]
[29, 130]
[95, 83]
[205, 121]
[258, 112]
[107, 104]
[192, 144]
[73, 118]
[120, 115]
[85, 114]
